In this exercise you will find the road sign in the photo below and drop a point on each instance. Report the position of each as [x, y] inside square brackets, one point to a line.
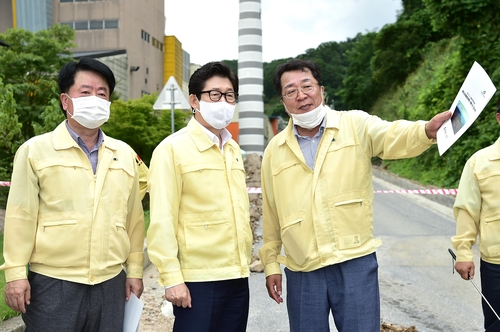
[166, 100]
[171, 97]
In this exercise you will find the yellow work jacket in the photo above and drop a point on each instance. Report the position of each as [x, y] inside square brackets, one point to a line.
[325, 216]
[477, 206]
[200, 218]
[67, 222]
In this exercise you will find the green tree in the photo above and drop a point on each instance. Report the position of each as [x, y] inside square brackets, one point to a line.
[136, 123]
[30, 65]
[399, 46]
[331, 59]
[359, 90]
[10, 136]
[29, 101]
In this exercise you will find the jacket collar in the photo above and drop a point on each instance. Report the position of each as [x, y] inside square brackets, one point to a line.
[62, 139]
[200, 138]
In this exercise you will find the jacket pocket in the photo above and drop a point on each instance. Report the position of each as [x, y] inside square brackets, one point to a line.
[61, 242]
[119, 242]
[490, 233]
[352, 224]
[296, 236]
[209, 241]
[122, 177]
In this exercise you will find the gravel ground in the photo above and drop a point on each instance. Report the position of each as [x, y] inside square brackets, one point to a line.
[157, 313]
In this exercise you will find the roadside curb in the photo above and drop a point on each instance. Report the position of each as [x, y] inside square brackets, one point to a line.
[15, 324]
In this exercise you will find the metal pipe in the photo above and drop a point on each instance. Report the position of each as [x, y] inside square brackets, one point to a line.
[475, 286]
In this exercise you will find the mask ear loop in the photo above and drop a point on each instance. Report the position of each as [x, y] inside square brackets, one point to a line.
[194, 110]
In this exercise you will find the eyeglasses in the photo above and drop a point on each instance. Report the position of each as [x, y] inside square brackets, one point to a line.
[215, 95]
[306, 88]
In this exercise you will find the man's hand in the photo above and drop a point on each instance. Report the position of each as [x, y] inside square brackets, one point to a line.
[135, 286]
[433, 125]
[18, 294]
[465, 269]
[179, 295]
[273, 285]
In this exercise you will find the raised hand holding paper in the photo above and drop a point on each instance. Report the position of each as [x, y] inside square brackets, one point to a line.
[474, 94]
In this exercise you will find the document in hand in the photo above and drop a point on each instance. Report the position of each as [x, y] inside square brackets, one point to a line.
[133, 312]
[475, 93]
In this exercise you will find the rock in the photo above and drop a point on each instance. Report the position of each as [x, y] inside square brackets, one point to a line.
[257, 266]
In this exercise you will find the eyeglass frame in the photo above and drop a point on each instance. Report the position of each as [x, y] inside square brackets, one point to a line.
[297, 91]
[221, 94]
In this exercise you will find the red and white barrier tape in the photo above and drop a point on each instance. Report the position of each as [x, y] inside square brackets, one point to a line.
[411, 191]
[254, 190]
[420, 191]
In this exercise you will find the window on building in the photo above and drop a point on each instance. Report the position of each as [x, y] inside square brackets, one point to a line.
[96, 25]
[111, 24]
[156, 43]
[82, 25]
[145, 36]
[92, 25]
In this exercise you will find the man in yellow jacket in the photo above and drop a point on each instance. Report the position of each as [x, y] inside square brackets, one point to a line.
[199, 236]
[476, 211]
[318, 203]
[74, 215]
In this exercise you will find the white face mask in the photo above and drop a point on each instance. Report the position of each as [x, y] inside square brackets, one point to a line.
[91, 112]
[218, 114]
[310, 119]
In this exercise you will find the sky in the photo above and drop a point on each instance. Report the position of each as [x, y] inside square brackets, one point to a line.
[208, 30]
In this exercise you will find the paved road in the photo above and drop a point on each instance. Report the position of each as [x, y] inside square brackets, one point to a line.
[415, 269]
[416, 282]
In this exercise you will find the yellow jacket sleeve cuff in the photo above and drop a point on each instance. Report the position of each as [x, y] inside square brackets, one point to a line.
[15, 273]
[272, 268]
[171, 279]
[135, 265]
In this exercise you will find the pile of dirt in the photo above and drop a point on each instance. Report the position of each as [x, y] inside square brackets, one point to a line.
[253, 163]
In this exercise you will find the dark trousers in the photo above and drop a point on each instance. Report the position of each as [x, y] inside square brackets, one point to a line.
[59, 305]
[349, 290]
[217, 306]
[490, 287]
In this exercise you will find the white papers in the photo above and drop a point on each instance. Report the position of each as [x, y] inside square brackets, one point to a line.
[133, 311]
[475, 93]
